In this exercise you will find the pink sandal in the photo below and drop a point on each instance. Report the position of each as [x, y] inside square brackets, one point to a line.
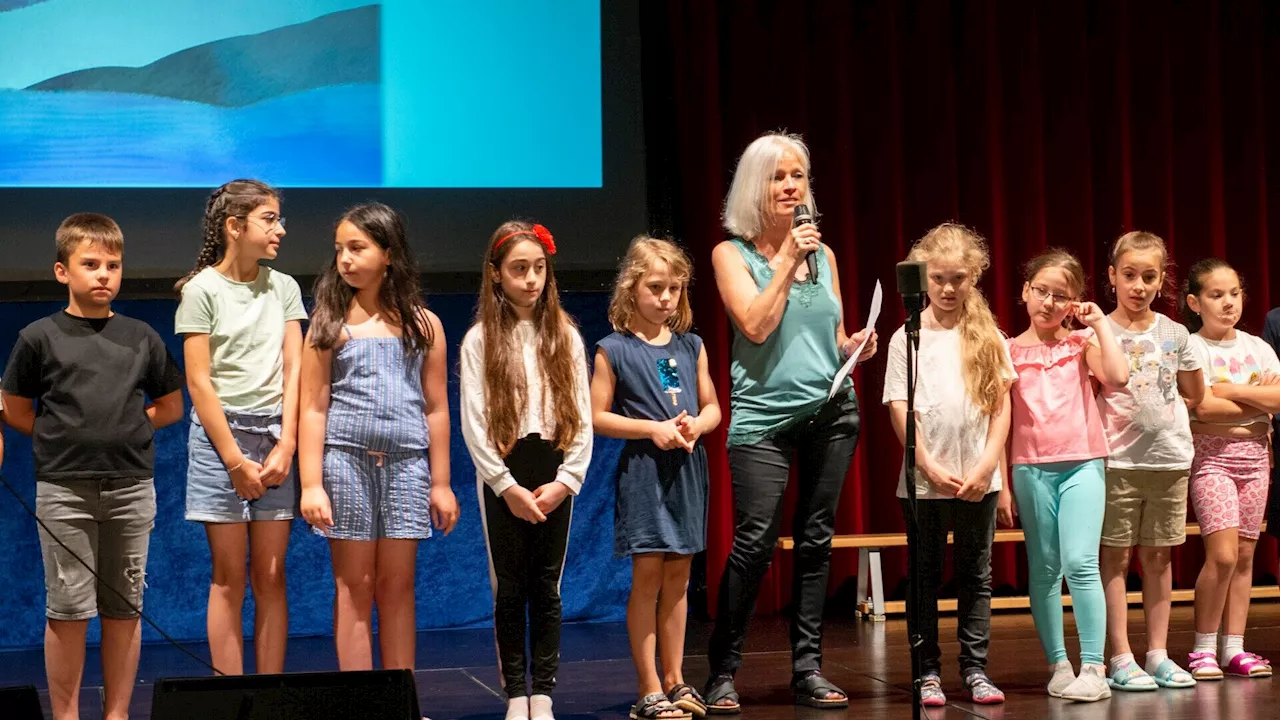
[1249, 665]
[1204, 666]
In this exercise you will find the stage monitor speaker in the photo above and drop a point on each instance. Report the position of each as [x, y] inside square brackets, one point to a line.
[20, 703]
[371, 695]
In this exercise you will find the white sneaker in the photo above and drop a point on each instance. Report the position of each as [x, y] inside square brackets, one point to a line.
[1090, 686]
[518, 708]
[1062, 675]
[540, 708]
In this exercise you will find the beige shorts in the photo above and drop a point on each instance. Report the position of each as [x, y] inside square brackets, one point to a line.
[1145, 507]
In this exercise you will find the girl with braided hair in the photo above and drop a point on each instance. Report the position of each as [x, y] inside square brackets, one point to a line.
[242, 330]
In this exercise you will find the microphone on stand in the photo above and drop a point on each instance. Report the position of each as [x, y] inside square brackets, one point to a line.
[913, 286]
[802, 216]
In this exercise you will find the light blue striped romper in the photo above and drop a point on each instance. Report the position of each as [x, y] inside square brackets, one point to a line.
[375, 462]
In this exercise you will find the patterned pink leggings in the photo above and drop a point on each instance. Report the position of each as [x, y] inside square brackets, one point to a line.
[1229, 479]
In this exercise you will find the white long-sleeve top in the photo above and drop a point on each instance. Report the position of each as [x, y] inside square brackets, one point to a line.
[490, 467]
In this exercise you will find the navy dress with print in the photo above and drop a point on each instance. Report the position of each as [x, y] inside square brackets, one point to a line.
[661, 500]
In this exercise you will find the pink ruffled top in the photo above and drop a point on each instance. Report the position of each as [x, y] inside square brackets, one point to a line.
[1055, 417]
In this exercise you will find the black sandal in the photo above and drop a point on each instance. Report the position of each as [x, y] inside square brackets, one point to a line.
[652, 707]
[812, 689]
[720, 688]
[687, 698]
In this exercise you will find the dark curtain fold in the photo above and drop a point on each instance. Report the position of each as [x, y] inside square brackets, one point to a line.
[1038, 123]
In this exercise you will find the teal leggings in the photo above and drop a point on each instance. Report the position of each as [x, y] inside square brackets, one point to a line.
[1061, 506]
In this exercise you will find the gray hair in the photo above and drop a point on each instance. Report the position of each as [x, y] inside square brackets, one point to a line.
[746, 209]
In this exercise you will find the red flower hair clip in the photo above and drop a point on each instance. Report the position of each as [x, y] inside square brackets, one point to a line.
[544, 237]
[539, 232]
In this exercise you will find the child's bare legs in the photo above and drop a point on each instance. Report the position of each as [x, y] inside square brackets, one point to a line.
[394, 596]
[1236, 617]
[121, 646]
[673, 614]
[1220, 561]
[1114, 566]
[354, 565]
[64, 665]
[1157, 594]
[228, 544]
[268, 541]
[64, 650]
[647, 575]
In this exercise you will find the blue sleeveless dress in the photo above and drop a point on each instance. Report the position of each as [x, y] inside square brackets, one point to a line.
[375, 465]
[661, 499]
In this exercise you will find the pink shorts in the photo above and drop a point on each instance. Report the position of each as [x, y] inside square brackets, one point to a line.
[1229, 479]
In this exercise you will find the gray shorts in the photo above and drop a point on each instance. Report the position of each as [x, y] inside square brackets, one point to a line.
[108, 524]
[211, 498]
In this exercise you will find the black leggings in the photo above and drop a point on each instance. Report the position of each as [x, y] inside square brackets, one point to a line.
[823, 447]
[525, 565]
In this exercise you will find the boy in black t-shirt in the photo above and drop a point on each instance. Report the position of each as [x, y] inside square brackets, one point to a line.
[78, 382]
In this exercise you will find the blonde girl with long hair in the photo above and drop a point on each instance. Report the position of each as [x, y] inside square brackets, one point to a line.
[962, 420]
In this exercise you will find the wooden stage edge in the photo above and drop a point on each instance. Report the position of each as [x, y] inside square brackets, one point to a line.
[1022, 602]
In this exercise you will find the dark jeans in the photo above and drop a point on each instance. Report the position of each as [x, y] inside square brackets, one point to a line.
[974, 525]
[527, 562]
[822, 446]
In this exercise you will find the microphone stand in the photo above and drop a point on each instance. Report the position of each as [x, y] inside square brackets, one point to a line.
[914, 304]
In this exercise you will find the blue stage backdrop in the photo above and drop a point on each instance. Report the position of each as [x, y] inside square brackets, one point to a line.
[453, 578]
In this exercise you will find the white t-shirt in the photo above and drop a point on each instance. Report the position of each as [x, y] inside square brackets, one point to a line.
[950, 426]
[245, 324]
[1146, 421]
[1241, 361]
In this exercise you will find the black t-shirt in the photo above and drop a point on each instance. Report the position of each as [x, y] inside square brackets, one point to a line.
[90, 378]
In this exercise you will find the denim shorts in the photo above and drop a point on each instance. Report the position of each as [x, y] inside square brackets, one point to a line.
[211, 498]
[107, 523]
[378, 495]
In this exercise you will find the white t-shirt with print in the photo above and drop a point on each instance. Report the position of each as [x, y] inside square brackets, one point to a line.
[1241, 361]
[950, 426]
[1146, 421]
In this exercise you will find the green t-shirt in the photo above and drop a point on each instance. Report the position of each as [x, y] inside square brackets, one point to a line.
[245, 324]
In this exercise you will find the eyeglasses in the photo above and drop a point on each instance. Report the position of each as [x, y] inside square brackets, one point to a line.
[271, 219]
[1043, 294]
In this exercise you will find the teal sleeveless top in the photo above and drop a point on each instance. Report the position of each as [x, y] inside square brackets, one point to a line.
[785, 379]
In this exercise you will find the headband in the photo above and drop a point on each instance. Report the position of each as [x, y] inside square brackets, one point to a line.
[540, 233]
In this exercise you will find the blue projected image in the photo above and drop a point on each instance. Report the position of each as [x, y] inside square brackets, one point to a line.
[315, 93]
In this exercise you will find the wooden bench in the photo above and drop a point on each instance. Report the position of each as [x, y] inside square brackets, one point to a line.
[871, 602]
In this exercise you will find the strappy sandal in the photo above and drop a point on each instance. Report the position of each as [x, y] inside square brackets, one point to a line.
[1169, 675]
[686, 698]
[720, 688]
[812, 689]
[656, 706]
[1249, 665]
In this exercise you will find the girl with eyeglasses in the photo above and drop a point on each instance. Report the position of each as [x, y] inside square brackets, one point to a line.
[1058, 449]
[242, 330]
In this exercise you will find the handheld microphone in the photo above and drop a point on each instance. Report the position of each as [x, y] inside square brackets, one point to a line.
[802, 216]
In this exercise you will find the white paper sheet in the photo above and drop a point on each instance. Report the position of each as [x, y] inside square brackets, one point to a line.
[876, 298]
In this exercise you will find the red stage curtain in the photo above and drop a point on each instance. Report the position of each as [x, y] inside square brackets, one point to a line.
[1040, 124]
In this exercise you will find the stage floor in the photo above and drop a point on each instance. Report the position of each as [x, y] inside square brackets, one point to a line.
[458, 673]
